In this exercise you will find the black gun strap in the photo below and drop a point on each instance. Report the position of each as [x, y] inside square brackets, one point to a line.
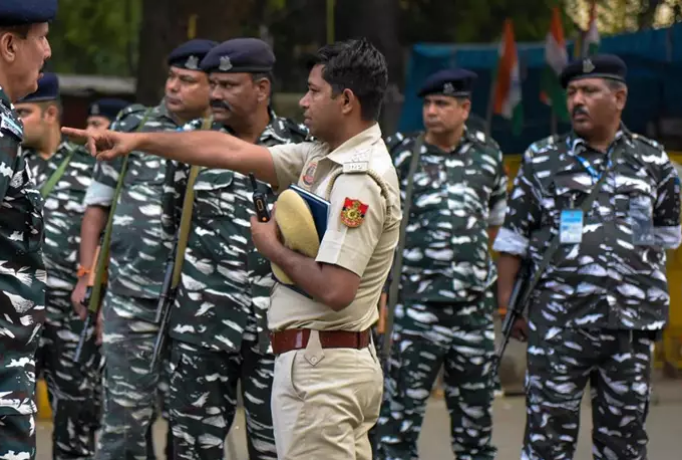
[398, 262]
[585, 207]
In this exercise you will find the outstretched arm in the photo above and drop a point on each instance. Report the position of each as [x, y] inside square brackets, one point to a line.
[202, 148]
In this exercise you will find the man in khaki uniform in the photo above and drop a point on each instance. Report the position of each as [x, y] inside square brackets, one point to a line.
[328, 383]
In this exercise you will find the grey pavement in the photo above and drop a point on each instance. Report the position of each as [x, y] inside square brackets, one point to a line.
[664, 427]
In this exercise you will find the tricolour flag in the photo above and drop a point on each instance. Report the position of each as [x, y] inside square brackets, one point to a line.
[507, 93]
[556, 58]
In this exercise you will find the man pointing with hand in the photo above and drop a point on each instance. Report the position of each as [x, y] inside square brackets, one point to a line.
[327, 384]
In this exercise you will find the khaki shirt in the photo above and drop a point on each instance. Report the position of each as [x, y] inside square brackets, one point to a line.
[366, 250]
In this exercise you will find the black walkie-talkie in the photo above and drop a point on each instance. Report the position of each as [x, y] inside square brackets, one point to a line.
[259, 201]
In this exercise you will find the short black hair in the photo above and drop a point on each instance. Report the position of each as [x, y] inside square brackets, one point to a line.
[21, 30]
[356, 65]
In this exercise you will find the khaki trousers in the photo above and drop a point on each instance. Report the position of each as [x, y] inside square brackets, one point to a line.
[324, 401]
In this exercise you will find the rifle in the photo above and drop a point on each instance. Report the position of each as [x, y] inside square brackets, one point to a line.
[98, 278]
[86, 303]
[525, 284]
[515, 309]
[171, 280]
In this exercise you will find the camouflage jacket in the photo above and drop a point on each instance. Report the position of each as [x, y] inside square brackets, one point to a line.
[225, 289]
[456, 196]
[22, 273]
[606, 280]
[63, 211]
[143, 224]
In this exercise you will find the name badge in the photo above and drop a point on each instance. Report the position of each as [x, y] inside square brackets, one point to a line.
[641, 213]
[571, 226]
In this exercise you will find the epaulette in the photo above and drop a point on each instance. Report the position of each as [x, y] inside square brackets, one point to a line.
[555, 140]
[649, 142]
[126, 118]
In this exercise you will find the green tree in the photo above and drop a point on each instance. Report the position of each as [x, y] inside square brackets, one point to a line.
[95, 37]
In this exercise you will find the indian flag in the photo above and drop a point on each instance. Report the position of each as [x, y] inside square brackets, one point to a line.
[556, 58]
[591, 42]
[507, 93]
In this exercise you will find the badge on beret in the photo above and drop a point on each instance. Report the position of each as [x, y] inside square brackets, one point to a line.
[192, 63]
[588, 66]
[448, 89]
[225, 63]
[353, 213]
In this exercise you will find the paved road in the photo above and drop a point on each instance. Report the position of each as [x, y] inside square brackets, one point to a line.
[664, 426]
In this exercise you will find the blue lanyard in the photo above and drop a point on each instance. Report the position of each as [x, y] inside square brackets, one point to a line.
[590, 170]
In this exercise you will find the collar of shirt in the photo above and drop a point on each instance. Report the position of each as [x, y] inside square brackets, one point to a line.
[356, 148]
[577, 145]
[4, 100]
[162, 111]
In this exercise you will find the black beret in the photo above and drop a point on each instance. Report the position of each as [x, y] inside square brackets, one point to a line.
[107, 108]
[599, 66]
[240, 55]
[48, 89]
[189, 54]
[449, 82]
[21, 12]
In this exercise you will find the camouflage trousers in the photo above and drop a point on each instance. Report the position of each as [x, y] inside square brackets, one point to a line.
[561, 362]
[203, 400]
[74, 389]
[131, 389]
[425, 337]
[18, 437]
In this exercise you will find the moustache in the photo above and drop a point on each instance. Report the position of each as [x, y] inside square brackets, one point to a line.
[220, 104]
[580, 110]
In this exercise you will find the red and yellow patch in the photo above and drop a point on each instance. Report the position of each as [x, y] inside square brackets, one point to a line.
[353, 213]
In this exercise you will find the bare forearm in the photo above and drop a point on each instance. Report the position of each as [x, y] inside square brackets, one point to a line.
[94, 221]
[311, 276]
[508, 266]
[211, 149]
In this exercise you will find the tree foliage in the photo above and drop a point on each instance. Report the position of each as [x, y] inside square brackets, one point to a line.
[96, 37]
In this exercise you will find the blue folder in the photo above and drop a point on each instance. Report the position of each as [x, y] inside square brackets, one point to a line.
[319, 208]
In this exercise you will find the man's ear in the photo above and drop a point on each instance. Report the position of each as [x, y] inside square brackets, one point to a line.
[51, 113]
[264, 89]
[348, 101]
[621, 97]
[8, 46]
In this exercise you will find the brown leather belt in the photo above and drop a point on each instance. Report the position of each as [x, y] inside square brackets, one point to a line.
[297, 339]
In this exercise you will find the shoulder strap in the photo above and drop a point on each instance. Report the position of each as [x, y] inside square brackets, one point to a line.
[54, 178]
[103, 257]
[186, 216]
[585, 207]
[398, 262]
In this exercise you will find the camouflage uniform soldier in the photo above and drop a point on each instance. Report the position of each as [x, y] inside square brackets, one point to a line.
[219, 326]
[444, 314]
[73, 389]
[603, 299]
[23, 51]
[142, 233]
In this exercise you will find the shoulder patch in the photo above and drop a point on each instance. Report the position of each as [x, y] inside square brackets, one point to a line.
[8, 124]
